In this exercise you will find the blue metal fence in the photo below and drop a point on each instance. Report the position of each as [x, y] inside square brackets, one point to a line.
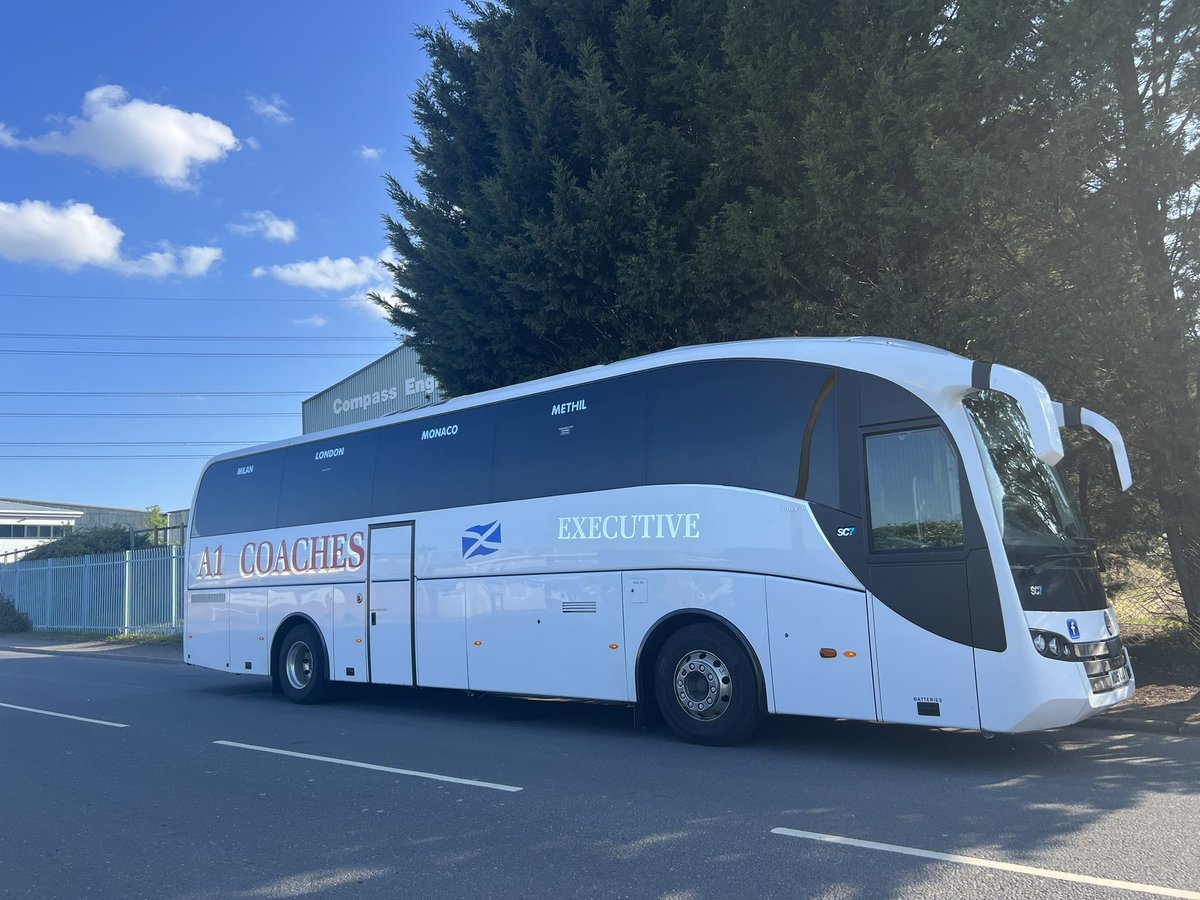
[110, 593]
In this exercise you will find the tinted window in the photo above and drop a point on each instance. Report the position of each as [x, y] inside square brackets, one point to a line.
[733, 422]
[239, 494]
[912, 479]
[7, 530]
[434, 463]
[329, 480]
[819, 465]
[1031, 502]
[586, 438]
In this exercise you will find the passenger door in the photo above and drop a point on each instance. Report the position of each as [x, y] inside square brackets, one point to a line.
[390, 603]
[916, 554]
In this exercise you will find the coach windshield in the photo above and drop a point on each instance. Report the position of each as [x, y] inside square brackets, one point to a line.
[1052, 559]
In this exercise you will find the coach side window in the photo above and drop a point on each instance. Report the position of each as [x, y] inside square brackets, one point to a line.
[819, 470]
[239, 495]
[434, 463]
[737, 422]
[913, 486]
[328, 480]
[586, 438]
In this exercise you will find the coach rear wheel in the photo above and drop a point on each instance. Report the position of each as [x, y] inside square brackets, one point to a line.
[707, 686]
[302, 669]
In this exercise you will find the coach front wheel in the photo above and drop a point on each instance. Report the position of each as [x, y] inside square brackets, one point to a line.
[303, 672]
[707, 686]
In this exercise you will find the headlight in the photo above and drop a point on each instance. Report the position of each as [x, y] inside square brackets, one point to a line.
[1052, 646]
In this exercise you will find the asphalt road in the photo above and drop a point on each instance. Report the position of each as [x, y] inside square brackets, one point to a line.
[160, 809]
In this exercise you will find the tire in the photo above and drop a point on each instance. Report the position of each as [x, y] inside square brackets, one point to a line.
[707, 686]
[303, 671]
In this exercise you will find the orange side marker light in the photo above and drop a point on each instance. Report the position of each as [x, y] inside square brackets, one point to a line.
[828, 653]
[850, 653]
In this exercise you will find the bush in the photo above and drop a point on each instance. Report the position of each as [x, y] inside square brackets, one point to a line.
[11, 618]
[87, 541]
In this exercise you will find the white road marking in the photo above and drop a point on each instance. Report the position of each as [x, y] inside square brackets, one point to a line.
[471, 782]
[58, 715]
[1156, 890]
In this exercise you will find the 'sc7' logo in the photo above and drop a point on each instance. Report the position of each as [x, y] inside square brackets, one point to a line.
[480, 540]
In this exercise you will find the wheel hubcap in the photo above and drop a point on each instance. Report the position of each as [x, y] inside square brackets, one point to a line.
[703, 685]
[299, 665]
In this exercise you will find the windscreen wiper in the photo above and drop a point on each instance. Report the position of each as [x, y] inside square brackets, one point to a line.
[1048, 562]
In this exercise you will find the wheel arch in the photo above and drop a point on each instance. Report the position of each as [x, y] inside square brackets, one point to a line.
[657, 635]
[290, 621]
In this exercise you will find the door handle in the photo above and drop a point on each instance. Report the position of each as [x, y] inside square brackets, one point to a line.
[372, 618]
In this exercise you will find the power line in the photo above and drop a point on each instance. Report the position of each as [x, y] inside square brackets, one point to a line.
[187, 337]
[10, 296]
[196, 393]
[188, 353]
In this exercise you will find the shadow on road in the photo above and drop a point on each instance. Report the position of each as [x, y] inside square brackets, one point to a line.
[1018, 798]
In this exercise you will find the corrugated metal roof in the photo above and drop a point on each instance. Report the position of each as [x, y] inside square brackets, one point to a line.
[368, 367]
[87, 514]
[393, 383]
[19, 506]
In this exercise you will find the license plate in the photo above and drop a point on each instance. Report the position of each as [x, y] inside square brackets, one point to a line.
[1119, 676]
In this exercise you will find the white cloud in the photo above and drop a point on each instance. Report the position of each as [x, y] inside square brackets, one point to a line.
[152, 265]
[324, 274]
[74, 235]
[371, 153]
[67, 237]
[358, 276]
[314, 321]
[382, 284]
[364, 305]
[273, 109]
[115, 132]
[267, 224]
[252, 143]
[197, 261]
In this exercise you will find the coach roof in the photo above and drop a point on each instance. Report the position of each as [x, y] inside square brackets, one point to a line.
[937, 376]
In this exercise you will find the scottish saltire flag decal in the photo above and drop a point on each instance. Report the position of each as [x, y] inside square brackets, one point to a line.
[480, 540]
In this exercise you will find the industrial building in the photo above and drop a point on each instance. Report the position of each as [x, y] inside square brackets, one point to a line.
[391, 384]
[87, 515]
[25, 524]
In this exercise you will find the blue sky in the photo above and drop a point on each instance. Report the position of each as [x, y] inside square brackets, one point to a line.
[197, 171]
